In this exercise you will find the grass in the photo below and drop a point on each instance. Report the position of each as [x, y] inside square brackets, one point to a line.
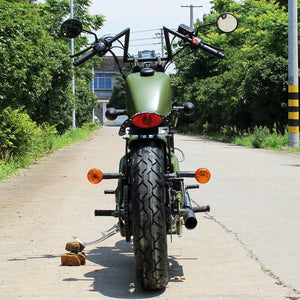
[55, 142]
[70, 137]
[260, 137]
[271, 141]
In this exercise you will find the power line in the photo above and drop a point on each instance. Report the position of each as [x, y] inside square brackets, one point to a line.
[137, 45]
[146, 30]
[153, 38]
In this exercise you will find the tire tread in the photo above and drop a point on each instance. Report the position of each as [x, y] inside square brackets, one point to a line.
[149, 220]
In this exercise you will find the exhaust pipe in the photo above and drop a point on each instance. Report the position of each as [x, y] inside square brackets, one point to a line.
[190, 221]
[189, 218]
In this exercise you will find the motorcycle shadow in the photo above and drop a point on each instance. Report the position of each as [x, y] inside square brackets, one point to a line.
[116, 278]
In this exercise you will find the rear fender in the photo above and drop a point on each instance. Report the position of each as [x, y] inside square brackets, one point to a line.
[133, 139]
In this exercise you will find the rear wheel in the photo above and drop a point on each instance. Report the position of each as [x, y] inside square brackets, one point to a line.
[148, 214]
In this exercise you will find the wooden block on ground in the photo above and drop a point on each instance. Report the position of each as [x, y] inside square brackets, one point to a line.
[70, 259]
[74, 247]
[82, 256]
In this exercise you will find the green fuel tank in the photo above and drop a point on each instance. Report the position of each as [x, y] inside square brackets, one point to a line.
[148, 93]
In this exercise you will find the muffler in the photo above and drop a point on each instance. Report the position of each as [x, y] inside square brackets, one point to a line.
[189, 217]
[190, 221]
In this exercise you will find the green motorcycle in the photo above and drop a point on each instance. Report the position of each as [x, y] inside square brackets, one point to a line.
[152, 200]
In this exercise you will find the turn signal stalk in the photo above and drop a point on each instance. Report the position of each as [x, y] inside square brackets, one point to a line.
[202, 175]
[95, 176]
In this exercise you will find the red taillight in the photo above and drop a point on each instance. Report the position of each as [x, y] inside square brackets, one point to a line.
[147, 120]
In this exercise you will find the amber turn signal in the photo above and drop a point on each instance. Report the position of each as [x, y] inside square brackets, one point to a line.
[95, 176]
[202, 175]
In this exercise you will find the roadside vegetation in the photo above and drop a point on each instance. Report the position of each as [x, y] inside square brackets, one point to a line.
[241, 99]
[23, 142]
[36, 70]
[262, 138]
[259, 137]
[36, 99]
[247, 89]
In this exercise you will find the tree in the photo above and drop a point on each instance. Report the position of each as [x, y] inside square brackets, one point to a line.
[248, 87]
[35, 69]
[31, 62]
[84, 100]
[118, 97]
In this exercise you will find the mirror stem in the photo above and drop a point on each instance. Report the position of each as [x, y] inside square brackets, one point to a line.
[94, 34]
[202, 26]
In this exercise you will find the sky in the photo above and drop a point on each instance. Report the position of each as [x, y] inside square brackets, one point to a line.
[146, 18]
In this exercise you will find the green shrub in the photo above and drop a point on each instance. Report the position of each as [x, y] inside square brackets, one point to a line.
[43, 141]
[260, 134]
[17, 132]
[90, 126]
[262, 138]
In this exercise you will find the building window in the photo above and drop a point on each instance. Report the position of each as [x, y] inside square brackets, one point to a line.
[103, 81]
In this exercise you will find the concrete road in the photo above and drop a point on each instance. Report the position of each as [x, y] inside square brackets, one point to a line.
[48, 203]
[255, 195]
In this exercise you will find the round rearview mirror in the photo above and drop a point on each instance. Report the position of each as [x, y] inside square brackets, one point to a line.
[227, 22]
[71, 28]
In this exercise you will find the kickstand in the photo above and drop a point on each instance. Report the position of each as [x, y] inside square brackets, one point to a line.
[105, 235]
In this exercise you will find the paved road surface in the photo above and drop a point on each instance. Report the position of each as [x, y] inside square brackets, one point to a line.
[221, 259]
[255, 194]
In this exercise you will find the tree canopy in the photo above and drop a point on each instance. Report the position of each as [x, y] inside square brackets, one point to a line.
[249, 87]
[35, 69]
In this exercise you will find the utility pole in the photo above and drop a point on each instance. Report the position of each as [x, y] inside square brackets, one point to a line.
[161, 36]
[73, 79]
[191, 13]
[293, 81]
[93, 91]
[162, 42]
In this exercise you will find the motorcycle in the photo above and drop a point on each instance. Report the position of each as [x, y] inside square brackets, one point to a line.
[152, 200]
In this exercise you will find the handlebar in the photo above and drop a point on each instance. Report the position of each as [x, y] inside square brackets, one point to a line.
[186, 34]
[102, 46]
[99, 48]
[197, 43]
[84, 58]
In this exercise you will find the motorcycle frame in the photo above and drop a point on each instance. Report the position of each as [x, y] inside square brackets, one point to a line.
[176, 199]
[176, 192]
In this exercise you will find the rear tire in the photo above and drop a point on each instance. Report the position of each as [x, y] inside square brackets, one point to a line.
[148, 214]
